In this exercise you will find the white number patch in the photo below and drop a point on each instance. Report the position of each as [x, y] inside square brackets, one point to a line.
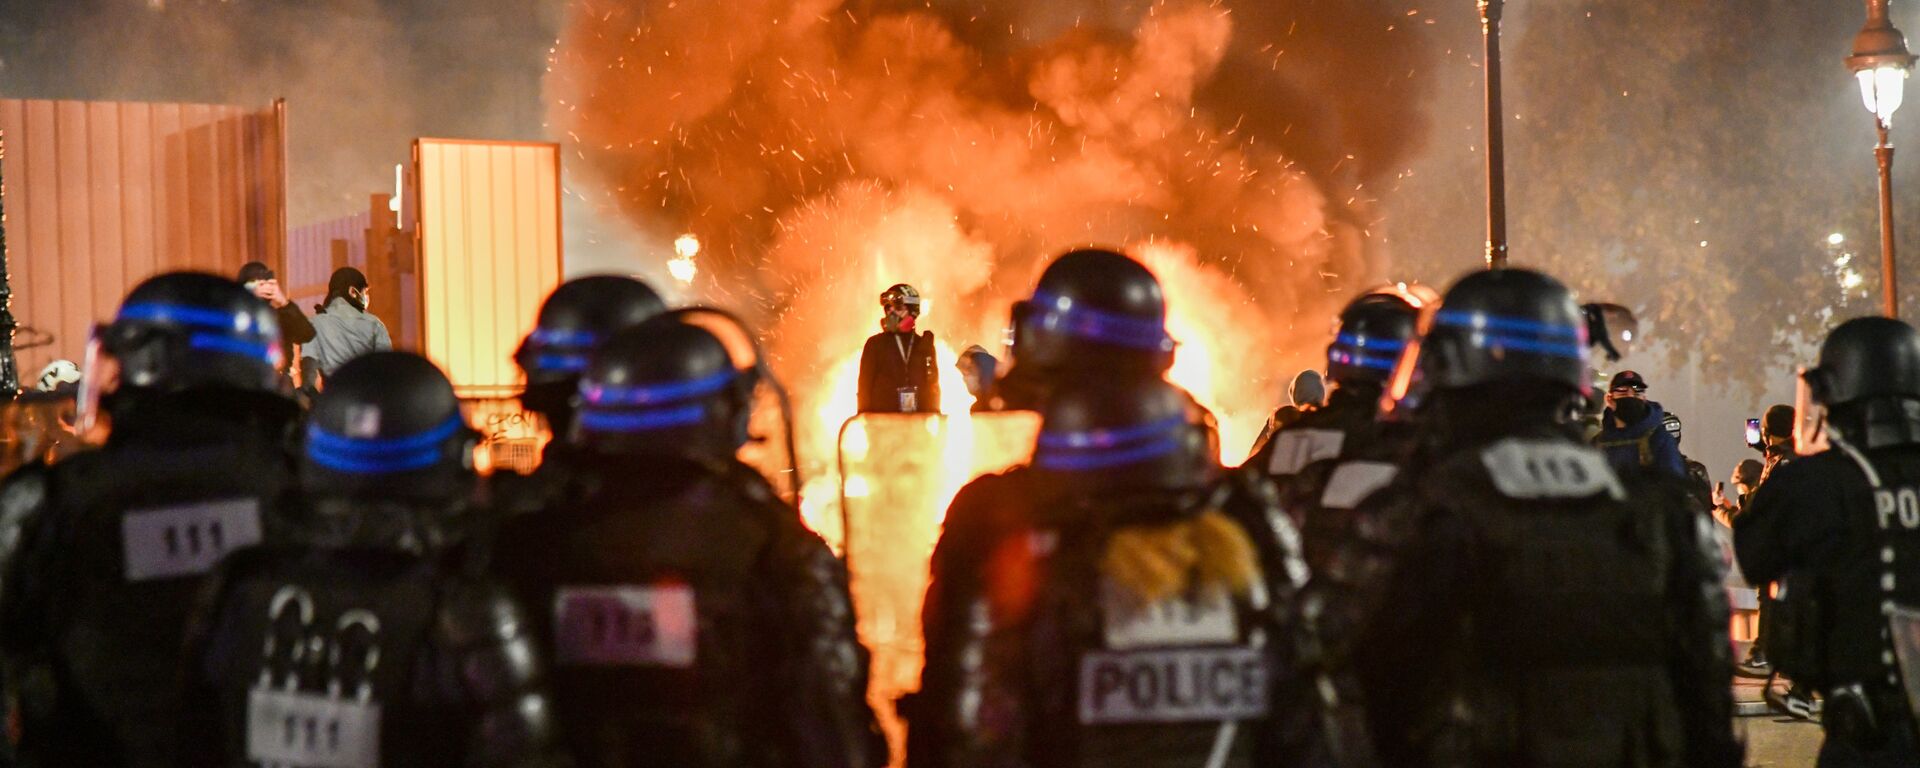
[1296, 448]
[308, 729]
[1173, 686]
[1540, 469]
[1353, 481]
[186, 540]
[1205, 618]
[625, 625]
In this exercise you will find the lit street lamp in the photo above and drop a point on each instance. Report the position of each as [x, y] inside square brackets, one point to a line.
[1496, 143]
[1880, 60]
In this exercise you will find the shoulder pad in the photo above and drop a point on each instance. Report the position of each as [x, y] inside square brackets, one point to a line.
[1295, 448]
[1351, 482]
[1549, 469]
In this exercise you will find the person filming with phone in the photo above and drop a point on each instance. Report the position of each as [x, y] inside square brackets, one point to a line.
[294, 327]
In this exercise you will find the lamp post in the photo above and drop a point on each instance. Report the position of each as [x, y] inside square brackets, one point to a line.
[9, 368]
[1496, 140]
[1880, 61]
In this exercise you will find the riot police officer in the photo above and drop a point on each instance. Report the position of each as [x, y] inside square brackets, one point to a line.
[574, 321]
[693, 619]
[1129, 614]
[1841, 530]
[1541, 610]
[364, 639]
[1373, 330]
[104, 551]
[1095, 315]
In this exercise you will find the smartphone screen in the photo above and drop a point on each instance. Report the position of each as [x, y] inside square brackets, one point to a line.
[1753, 431]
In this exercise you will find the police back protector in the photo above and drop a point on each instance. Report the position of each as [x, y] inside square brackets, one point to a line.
[109, 580]
[1557, 635]
[1185, 681]
[319, 654]
[647, 596]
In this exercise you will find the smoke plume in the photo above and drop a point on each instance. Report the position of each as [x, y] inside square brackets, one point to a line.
[825, 149]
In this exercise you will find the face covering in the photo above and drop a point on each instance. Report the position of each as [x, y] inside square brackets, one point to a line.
[1630, 410]
[897, 323]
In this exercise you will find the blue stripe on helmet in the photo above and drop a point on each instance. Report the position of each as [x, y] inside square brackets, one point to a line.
[559, 363]
[1483, 321]
[1110, 438]
[379, 455]
[599, 420]
[1089, 460]
[654, 394]
[1380, 343]
[562, 337]
[258, 350]
[1532, 346]
[199, 317]
[1063, 315]
[1358, 359]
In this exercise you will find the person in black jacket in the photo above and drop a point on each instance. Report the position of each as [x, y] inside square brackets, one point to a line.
[1840, 529]
[295, 328]
[103, 552]
[897, 368]
[366, 636]
[693, 619]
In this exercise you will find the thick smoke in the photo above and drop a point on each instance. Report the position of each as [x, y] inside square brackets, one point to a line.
[362, 78]
[824, 149]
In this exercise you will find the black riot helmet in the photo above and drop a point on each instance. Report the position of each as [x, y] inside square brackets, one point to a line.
[1374, 330]
[1094, 310]
[1501, 325]
[666, 386]
[1867, 385]
[1124, 435]
[388, 428]
[182, 331]
[576, 318]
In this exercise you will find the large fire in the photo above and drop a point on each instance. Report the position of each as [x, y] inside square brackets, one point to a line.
[822, 150]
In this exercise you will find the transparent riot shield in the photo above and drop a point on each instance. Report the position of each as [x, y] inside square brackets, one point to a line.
[897, 474]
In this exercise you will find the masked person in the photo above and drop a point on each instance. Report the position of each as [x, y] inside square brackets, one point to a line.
[1540, 608]
[693, 619]
[343, 329]
[1128, 617]
[1842, 530]
[259, 279]
[363, 639]
[103, 552]
[1633, 432]
[898, 373]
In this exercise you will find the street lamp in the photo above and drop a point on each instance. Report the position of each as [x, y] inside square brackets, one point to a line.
[1496, 140]
[1880, 61]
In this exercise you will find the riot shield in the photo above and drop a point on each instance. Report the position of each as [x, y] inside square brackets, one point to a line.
[897, 474]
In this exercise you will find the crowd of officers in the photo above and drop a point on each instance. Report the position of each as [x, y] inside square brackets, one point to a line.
[1433, 569]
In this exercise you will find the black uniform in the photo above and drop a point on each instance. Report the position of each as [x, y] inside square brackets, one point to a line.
[1069, 624]
[692, 617]
[104, 552]
[367, 639]
[1539, 609]
[1841, 531]
[892, 361]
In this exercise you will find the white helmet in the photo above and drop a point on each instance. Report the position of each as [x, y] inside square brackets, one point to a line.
[57, 374]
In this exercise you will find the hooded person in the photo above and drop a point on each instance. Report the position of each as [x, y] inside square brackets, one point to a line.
[1633, 430]
[259, 279]
[343, 329]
